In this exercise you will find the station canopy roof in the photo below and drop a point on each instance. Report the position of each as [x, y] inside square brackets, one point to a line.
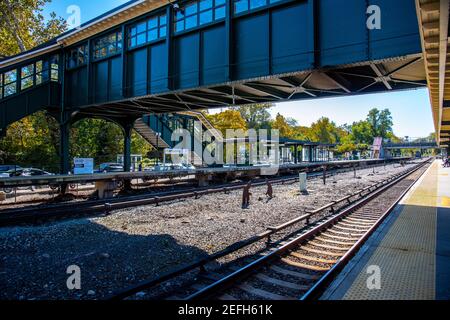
[434, 28]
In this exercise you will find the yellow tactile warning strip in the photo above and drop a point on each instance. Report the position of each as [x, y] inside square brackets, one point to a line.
[405, 253]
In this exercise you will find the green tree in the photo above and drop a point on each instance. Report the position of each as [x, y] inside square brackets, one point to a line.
[23, 26]
[380, 122]
[324, 131]
[256, 115]
[280, 123]
[229, 119]
[362, 132]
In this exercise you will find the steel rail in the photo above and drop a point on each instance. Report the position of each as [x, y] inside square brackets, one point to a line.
[266, 234]
[249, 269]
[328, 277]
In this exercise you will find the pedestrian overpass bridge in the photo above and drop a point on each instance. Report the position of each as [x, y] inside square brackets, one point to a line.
[411, 145]
[150, 57]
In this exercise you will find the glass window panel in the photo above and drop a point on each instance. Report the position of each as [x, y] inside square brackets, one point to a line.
[141, 27]
[191, 22]
[206, 4]
[241, 6]
[220, 13]
[162, 20]
[220, 2]
[153, 35]
[38, 66]
[179, 26]
[162, 31]
[179, 15]
[10, 76]
[55, 75]
[112, 49]
[119, 36]
[132, 42]
[191, 9]
[153, 23]
[141, 39]
[133, 31]
[257, 3]
[206, 17]
[38, 78]
[9, 89]
[27, 83]
[27, 71]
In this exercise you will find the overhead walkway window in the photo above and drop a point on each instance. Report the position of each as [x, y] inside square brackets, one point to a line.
[147, 31]
[9, 83]
[32, 74]
[197, 13]
[27, 77]
[108, 45]
[247, 5]
[77, 57]
[54, 68]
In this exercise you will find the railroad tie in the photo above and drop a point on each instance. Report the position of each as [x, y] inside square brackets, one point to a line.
[303, 266]
[262, 293]
[346, 243]
[281, 283]
[316, 244]
[295, 274]
[322, 252]
[312, 259]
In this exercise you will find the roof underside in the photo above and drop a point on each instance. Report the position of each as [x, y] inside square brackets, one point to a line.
[433, 20]
[363, 78]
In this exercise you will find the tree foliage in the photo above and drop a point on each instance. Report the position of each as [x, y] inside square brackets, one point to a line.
[257, 116]
[22, 25]
[280, 123]
[229, 119]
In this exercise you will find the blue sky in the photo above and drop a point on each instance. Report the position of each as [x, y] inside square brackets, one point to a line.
[411, 109]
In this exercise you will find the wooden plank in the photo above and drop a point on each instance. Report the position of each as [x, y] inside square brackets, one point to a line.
[263, 293]
[314, 243]
[303, 266]
[326, 253]
[332, 236]
[295, 274]
[347, 243]
[312, 259]
[281, 283]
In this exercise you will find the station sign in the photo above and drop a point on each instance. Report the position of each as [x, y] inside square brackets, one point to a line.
[83, 166]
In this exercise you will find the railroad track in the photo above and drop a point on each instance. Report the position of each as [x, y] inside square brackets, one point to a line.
[39, 214]
[302, 265]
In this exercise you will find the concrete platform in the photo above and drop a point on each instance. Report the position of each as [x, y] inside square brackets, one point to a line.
[409, 256]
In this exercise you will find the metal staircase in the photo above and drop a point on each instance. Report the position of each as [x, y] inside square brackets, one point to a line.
[205, 122]
[150, 135]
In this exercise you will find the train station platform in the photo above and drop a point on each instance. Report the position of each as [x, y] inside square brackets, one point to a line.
[408, 258]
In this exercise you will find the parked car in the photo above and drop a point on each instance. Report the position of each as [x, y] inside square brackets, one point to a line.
[32, 172]
[110, 167]
[5, 168]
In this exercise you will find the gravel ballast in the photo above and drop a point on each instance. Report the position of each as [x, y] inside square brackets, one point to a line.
[136, 244]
